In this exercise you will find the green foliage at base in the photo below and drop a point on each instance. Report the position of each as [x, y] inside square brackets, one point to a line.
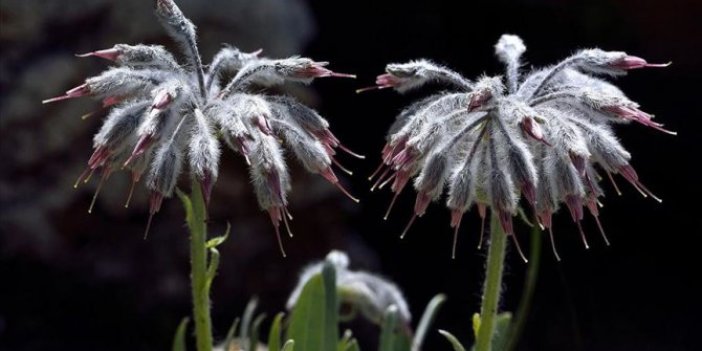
[503, 322]
[314, 320]
[313, 324]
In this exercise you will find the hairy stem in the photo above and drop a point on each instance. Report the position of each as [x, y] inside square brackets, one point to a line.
[492, 286]
[563, 94]
[454, 78]
[198, 266]
[552, 73]
[512, 71]
[242, 76]
[197, 63]
[519, 321]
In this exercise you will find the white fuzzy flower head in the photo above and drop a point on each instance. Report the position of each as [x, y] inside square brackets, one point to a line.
[168, 116]
[365, 292]
[545, 137]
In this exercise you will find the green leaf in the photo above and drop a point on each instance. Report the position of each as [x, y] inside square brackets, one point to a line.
[524, 217]
[307, 317]
[476, 325]
[195, 211]
[344, 341]
[255, 329]
[183, 197]
[457, 346]
[353, 346]
[427, 319]
[348, 342]
[212, 268]
[274, 333]
[389, 337]
[216, 241]
[246, 319]
[501, 331]
[502, 324]
[348, 334]
[404, 343]
[187, 205]
[230, 335]
[313, 321]
[179, 338]
[331, 306]
[289, 346]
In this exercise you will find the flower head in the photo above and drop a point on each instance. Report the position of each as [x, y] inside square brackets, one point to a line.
[545, 137]
[368, 293]
[169, 116]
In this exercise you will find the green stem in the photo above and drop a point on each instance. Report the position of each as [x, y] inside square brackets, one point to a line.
[493, 284]
[517, 327]
[198, 265]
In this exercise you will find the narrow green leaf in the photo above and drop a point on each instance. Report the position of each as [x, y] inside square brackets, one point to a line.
[348, 342]
[427, 319]
[388, 331]
[502, 325]
[195, 212]
[353, 345]
[403, 343]
[216, 241]
[392, 334]
[274, 333]
[476, 325]
[524, 217]
[247, 318]
[212, 268]
[289, 346]
[344, 341]
[307, 317]
[331, 306]
[230, 335]
[179, 338]
[457, 346]
[187, 205]
[313, 320]
[255, 329]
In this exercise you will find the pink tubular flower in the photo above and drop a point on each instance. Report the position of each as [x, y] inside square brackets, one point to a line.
[108, 54]
[317, 70]
[633, 62]
[387, 81]
[634, 114]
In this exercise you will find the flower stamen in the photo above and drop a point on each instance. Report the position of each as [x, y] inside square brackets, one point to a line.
[105, 174]
[407, 227]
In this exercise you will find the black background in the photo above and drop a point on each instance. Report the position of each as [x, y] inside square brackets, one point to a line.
[642, 293]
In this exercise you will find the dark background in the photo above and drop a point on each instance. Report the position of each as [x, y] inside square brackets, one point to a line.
[73, 281]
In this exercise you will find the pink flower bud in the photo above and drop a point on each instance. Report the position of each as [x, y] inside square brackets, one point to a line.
[108, 54]
[317, 70]
[161, 100]
[79, 91]
[478, 99]
[634, 62]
